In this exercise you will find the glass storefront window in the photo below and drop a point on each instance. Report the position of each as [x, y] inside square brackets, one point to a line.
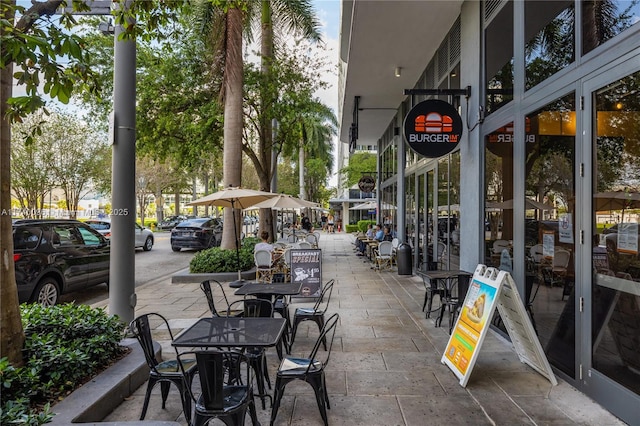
[499, 58]
[410, 216]
[448, 209]
[499, 193]
[549, 32]
[603, 20]
[431, 232]
[422, 228]
[550, 213]
[616, 219]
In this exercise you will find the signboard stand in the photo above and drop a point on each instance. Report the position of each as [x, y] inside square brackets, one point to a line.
[488, 290]
[306, 268]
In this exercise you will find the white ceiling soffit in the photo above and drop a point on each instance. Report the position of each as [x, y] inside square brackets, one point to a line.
[383, 35]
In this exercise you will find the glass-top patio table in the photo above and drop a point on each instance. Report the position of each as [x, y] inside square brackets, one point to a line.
[217, 332]
[277, 289]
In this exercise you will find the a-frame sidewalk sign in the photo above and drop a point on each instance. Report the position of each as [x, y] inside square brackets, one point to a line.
[491, 288]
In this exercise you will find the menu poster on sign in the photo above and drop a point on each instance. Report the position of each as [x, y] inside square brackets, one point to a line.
[565, 228]
[490, 290]
[306, 268]
[548, 244]
[472, 325]
[628, 238]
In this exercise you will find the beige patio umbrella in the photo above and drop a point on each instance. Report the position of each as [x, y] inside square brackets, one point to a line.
[236, 198]
[284, 202]
[529, 204]
[616, 200]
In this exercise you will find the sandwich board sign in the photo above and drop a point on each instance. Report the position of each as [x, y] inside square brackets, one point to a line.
[306, 268]
[490, 289]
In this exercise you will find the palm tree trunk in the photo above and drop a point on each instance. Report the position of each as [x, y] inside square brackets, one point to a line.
[232, 153]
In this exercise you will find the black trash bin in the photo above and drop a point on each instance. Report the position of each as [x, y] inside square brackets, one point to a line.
[403, 255]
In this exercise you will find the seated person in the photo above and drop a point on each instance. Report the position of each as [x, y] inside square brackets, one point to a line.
[264, 244]
[306, 222]
[387, 234]
[379, 233]
[370, 234]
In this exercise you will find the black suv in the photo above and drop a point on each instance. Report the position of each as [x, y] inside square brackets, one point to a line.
[53, 257]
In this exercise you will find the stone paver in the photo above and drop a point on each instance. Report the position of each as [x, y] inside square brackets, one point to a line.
[385, 367]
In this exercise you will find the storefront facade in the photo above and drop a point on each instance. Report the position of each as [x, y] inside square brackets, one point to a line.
[547, 164]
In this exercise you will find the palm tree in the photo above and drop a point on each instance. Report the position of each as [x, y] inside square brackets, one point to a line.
[223, 23]
[291, 17]
[316, 126]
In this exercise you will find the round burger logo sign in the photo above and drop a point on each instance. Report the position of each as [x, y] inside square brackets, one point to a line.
[433, 128]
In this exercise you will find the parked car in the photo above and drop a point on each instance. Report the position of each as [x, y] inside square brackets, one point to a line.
[143, 236]
[199, 233]
[170, 222]
[53, 257]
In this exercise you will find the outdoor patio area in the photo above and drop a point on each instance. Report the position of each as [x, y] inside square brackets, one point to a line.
[385, 366]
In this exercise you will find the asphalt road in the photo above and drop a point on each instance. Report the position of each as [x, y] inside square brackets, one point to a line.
[159, 263]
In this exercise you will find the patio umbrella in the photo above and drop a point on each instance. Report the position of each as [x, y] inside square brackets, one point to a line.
[234, 197]
[284, 202]
[616, 200]
[371, 205]
[529, 204]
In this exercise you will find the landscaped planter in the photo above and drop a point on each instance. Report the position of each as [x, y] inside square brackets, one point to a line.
[97, 398]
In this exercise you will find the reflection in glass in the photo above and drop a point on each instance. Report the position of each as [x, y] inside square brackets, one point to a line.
[499, 192]
[549, 31]
[549, 234]
[410, 216]
[604, 19]
[422, 229]
[499, 58]
[615, 327]
[431, 237]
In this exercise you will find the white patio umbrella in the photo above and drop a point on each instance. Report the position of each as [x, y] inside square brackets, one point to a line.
[284, 202]
[234, 197]
[370, 205]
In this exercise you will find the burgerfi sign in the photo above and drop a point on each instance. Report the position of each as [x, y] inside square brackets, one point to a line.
[433, 128]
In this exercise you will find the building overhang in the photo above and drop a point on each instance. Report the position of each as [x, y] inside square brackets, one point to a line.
[377, 38]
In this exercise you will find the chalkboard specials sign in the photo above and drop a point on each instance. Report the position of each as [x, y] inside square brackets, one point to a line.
[306, 268]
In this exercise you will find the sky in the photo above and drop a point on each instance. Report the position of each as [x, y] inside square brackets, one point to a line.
[329, 16]
[328, 12]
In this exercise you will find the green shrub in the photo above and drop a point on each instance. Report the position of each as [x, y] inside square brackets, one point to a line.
[216, 259]
[351, 228]
[64, 346]
[364, 224]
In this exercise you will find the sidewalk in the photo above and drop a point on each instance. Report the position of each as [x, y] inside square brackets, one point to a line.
[385, 366]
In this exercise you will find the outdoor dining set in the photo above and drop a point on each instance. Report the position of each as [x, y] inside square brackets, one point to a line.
[227, 352]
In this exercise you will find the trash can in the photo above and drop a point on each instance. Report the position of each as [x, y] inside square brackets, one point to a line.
[403, 254]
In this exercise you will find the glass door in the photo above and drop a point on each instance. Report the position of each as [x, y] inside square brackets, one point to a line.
[613, 302]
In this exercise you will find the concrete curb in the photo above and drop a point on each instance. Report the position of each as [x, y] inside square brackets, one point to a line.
[99, 397]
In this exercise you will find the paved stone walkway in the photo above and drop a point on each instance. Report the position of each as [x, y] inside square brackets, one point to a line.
[385, 367]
